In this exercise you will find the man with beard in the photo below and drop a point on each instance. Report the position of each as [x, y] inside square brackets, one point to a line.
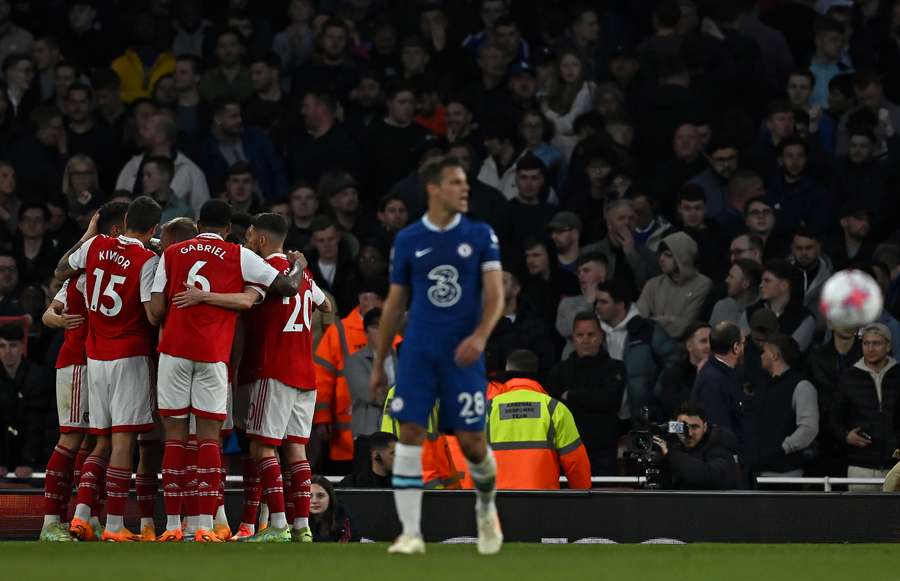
[850, 248]
[722, 157]
[796, 195]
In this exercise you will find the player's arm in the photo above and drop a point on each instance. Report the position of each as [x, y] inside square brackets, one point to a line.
[55, 317]
[157, 307]
[286, 285]
[64, 269]
[320, 298]
[241, 301]
[391, 319]
[472, 346]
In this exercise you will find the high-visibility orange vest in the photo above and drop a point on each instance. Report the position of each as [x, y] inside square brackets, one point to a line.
[438, 466]
[534, 439]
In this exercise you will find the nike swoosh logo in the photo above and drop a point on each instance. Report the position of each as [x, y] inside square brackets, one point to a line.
[421, 253]
[470, 421]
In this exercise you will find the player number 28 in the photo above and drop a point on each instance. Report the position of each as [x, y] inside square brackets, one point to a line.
[292, 326]
[110, 291]
[472, 404]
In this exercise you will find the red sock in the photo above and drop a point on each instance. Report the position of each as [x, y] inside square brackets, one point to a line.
[223, 472]
[189, 487]
[118, 482]
[251, 492]
[271, 483]
[82, 455]
[173, 476]
[145, 487]
[301, 475]
[93, 478]
[58, 480]
[208, 476]
[288, 499]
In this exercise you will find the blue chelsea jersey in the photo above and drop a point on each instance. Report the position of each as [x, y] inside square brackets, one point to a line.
[442, 269]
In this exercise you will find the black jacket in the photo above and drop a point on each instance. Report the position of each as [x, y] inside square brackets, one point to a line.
[528, 331]
[27, 416]
[709, 465]
[719, 392]
[365, 478]
[674, 388]
[345, 286]
[856, 405]
[595, 386]
[824, 367]
[771, 419]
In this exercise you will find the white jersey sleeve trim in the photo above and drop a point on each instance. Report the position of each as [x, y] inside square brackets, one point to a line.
[318, 296]
[78, 259]
[160, 279]
[491, 265]
[61, 295]
[148, 276]
[255, 270]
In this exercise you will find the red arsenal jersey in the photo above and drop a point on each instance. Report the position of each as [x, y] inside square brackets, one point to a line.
[287, 339]
[206, 332]
[119, 275]
[71, 295]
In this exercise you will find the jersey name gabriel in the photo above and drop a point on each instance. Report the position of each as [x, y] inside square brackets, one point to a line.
[443, 269]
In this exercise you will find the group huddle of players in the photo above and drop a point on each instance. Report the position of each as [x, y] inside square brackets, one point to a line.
[150, 353]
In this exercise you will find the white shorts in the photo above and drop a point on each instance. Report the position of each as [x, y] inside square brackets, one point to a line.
[227, 425]
[72, 398]
[242, 404]
[120, 398]
[192, 387]
[279, 412]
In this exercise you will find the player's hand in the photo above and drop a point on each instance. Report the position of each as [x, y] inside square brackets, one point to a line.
[856, 440]
[92, 227]
[325, 307]
[469, 350]
[71, 321]
[189, 297]
[377, 383]
[24, 471]
[297, 258]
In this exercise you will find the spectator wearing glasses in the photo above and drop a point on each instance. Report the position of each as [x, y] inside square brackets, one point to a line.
[743, 186]
[722, 158]
[748, 246]
[759, 217]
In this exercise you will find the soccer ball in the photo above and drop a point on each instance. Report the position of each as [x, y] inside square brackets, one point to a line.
[851, 298]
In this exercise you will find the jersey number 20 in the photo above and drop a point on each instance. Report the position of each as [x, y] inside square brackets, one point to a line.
[292, 326]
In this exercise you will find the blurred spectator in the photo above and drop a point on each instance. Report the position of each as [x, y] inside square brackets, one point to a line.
[191, 28]
[571, 93]
[84, 42]
[869, 88]
[325, 142]
[27, 414]
[827, 62]
[240, 188]
[36, 253]
[703, 457]
[639, 343]
[544, 282]
[498, 169]
[862, 176]
[759, 218]
[230, 141]
[13, 39]
[742, 290]
[777, 295]
[378, 470]
[331, 64]
[9, 286]
[392, 217]
[294, 44]
[39, 156]
[722, 157]
[520, 327]
[565, 231]
[60, 226]
[81, 186]
[304, 206]
[673, 298]
[84, 136]
[110, 110]
[747, 246]
[65, 75]
[269, 108]
[649, 226]
[21, 92]
[461, 125]
[687, 161]
[851, 246]
[143, 62]
[536, 133]
[677, 382]
[9, 203]
[158, 136]
[811, 269]
[527, 212]
[332, 264]
[328, 519]
[783, 414]
[535, 447]
[157, 183]
[229, 79]
[743, 186]
[690, 219]
[797, 196]
[389, 142]
[341, 192]
[591, 269]
[357, 368]
[629, 263]
[717, 387]
[594, 385]
[865, 408]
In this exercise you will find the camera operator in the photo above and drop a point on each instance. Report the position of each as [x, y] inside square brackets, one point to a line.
[703, 456]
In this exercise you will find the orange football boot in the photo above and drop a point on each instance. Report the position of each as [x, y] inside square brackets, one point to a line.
[82, 530]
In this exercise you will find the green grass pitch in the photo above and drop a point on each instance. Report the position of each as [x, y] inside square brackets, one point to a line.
[24, 561]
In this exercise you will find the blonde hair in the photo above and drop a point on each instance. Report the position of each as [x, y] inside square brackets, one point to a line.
[94, 186]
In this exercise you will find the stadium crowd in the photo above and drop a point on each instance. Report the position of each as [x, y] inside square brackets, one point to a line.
[671, 182]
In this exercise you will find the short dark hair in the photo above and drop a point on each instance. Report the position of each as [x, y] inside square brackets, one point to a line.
[432, 172]
[804, 232]
[582, 316]
[219, 105]
[195, 62]
[143, 214]
[825, 24]
[777, 106]
[801, 72]
[394, 88]
[233, 31]
[691, 193]
[842, 84]
[861, 79]
[111, 214]
[530, 162]
[14, 59]
[592, 257]
[381, 440]
[723, 337]
[522, 360]
[215, 213]
[34, 206]
[181, 228]
[387, 199]
[320, 223]
[792, 141]
[269, 58]
[689, 408]
[12, 332]
[372, 318]
[616, 289]
[106, 80]
[752, 270]
[272, 224]
[325, 97]
[756, 200]
[239, 168]
[668, 13]
[694, 327]
[44, 114]
[781, 268]
[77, 86]
[163, 163]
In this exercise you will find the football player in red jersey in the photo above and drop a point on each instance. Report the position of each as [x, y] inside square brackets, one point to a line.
[195, 348]
[119, 276]
[68, 310]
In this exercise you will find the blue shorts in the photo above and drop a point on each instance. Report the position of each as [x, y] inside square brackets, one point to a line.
[427, 376]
